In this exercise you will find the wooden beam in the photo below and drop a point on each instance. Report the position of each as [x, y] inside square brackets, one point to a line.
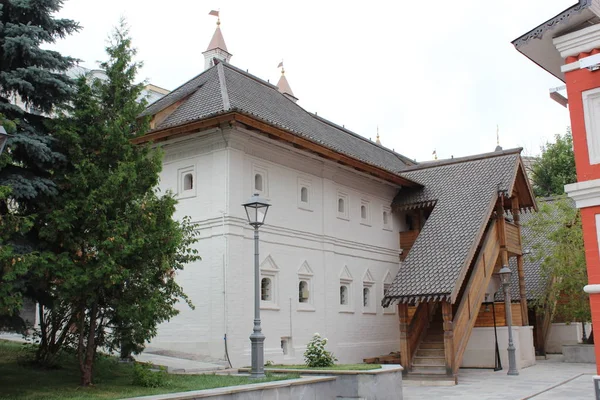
[502, 231]
[184, 129]
[448, 337]
[520, 268]
[404, 337]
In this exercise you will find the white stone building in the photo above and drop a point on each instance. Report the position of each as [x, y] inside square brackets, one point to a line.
[329, 237]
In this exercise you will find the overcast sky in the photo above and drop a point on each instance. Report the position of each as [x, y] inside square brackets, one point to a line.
[432, 74]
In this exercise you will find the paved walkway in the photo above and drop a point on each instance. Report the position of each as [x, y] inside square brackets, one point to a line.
[178, 365]
[547, 380]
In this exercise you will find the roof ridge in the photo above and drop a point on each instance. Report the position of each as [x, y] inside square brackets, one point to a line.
[249, 75]
[223, 87]
[173, 93]
[451, 161]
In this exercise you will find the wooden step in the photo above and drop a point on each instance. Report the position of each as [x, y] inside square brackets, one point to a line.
[421, 352]
[432, 345]
[428, 370]
[429, 362]
[434, 338]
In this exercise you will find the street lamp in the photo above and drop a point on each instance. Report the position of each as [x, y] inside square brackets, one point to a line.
[256, 210]
[505, 278]
[3, 138]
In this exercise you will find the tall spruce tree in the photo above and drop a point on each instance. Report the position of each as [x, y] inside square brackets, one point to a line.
[555, 168]
[111, 245]
[35, 78]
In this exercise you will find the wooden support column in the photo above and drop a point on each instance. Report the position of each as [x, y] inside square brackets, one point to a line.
[521, 270]
[448, 337]
[404, 336]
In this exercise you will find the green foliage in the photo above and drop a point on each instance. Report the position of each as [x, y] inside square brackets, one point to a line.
[316, 355]
[562, 257]
[111, 248]
[145, 376]
[35, 77]
[23, 380]
[555, 168]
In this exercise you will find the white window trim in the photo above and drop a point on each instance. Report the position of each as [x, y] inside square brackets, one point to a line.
[592, 124]
[307, 206]
[264, 172]
[388, 226]
[268, 269]
[346, 280]
[181, 173]
[369, 283]
[305, 273]
[365, 221]
[345, 214]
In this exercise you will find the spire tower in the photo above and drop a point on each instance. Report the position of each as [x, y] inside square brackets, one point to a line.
[498, 147]
[217, 49]
[284, 86]
[378, 141]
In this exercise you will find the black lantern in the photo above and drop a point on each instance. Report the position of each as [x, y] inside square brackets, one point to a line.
[256, 210]
[505, 275]
[3, 138]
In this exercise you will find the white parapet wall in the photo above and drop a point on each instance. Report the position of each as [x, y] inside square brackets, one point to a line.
[480, 352]
[561, 334]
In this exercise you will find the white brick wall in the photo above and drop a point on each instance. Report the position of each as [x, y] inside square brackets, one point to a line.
[221, 285]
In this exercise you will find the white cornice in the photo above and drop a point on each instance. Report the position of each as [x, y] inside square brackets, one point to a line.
[585, 194]
[583, 40]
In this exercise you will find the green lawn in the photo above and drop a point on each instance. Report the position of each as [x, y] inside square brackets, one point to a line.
[20, 380]
[340, 367]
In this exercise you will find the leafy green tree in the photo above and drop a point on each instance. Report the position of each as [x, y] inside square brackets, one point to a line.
[555, 168]
[111, 245]
[563, 258]
[35, 77]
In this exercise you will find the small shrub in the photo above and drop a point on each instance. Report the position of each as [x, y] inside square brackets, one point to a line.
[316, 355]
[269, 363]
[144, 376]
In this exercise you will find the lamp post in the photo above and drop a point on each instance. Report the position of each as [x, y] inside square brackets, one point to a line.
[505, 278]
[256, 210]
[3, 138]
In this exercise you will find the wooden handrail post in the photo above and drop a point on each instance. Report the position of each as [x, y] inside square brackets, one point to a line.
[520, 269]
[448, 337]
[404, 336]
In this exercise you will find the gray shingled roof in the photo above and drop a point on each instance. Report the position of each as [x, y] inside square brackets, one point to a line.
[224, 88]
[464, 192]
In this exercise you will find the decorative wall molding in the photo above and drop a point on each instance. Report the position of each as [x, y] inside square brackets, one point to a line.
[585, 194]
[581, 41]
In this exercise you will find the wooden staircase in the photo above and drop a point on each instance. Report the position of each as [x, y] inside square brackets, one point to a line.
[433, 341]
[430, 358]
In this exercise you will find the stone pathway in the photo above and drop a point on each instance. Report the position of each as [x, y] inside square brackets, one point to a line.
[548, 379]
[178, 365]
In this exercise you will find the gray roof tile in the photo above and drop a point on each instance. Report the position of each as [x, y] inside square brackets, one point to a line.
[464, 193]
[203, 97]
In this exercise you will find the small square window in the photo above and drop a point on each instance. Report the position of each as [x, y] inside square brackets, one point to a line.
[260, 181]
[304, 194]
[186, 186]
[365, 214]
[342, 205]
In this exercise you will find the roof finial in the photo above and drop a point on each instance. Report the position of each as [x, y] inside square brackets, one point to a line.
[498, 147]
[434, 154]
[378, 141]
[216, 14]
[281, 66]
[284, 86]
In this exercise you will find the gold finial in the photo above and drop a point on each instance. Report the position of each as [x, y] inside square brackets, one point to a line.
[216, 14]
[434, 154]
[378, 141]
[281, 66]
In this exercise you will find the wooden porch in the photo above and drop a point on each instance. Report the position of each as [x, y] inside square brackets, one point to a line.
[434, 334]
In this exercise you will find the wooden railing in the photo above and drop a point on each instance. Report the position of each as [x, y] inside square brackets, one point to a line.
[513, 238]
[407, 240]
[411, 333]
[468, 309]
